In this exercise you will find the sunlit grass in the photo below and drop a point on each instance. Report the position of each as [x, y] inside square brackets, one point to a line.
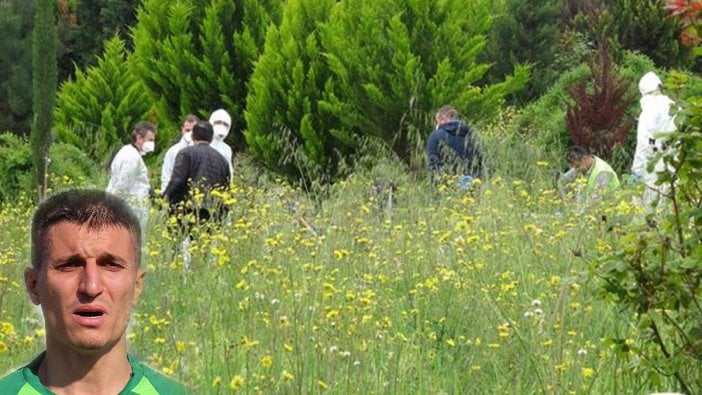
[444, 291]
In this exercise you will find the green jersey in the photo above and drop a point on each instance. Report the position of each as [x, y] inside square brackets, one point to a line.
[144, 381]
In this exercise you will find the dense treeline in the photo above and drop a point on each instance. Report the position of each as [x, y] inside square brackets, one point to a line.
[308, 85]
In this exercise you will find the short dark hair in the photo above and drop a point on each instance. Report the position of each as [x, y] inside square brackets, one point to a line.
[203, 131]
[94, 208]
[141, 129]
[577, 153]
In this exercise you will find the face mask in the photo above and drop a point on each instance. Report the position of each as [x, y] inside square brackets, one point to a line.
[188, 137]
[220, 131]
[148, 147]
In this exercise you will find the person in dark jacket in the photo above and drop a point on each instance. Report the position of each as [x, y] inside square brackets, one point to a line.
[451, 147]
[198, 170]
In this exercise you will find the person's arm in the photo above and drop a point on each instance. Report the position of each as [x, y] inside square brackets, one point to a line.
[167, 168]
[179, 177]
[433, 159]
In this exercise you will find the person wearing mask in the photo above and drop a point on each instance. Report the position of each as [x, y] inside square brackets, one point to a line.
[129, 177]
[186, 139]
[221, 123]
[452, 149]
[600, 179]
[655, 122]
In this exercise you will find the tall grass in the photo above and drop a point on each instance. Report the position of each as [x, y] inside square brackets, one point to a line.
[430, 290]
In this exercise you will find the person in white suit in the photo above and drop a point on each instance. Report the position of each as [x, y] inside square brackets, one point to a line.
[221, 123]
[129, 177]
[654, 125]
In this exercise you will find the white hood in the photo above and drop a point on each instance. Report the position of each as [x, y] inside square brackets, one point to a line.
[649, 83]
[221, 132]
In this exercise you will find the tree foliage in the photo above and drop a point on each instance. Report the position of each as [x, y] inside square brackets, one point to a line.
[96, 111]
[394, 62]
[45, 41]
[89, 24]
[597, 119]
[653, 271]
[524, 33]
[16, 23]
[285, 127]
[197, 55]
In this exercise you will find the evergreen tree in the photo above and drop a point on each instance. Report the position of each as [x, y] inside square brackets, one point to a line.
[525, 33]
[16, 22]
[96, 111]
[197, 55]
[285, 128]
[90, 24]
[45, 41]
[394, 62]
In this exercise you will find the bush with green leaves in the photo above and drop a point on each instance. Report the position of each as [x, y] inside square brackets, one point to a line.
[67, 165]
[653, 272]
[97, 111]
[196, 56]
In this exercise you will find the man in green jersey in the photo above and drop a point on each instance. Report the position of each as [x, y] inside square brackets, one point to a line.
[86, 276]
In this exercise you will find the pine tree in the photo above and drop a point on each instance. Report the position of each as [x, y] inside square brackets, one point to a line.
[45, 41]
[285, 128]
[16, 23]
[394, 62]
[197, 55]
[525, 33]
[96, 111]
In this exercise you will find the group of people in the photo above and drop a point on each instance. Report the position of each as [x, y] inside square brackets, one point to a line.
[452, 148]
[201, 160]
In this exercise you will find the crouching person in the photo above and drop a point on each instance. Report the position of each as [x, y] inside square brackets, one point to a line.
[599, 178]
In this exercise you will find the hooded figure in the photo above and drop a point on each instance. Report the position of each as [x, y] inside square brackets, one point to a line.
[655, 123]
[451, 147]
[221, 123]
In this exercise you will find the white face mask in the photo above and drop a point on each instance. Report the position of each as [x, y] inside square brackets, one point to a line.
[148, 146]
[220, 132]
[188, 137]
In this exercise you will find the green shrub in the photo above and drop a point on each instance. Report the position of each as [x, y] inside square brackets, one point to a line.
[97, 111]
[15, 166]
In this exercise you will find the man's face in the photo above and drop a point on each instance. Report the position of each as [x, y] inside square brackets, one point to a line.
[149, 136]
[187, 127]
[87, 286]
[582, 165]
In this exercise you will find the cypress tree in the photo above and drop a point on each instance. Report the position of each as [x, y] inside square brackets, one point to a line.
[285, 129]
[96, 111]
[44, 66]
[394, 62]
[197, 55]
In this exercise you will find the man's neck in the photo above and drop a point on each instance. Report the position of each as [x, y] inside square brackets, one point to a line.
[70, 372]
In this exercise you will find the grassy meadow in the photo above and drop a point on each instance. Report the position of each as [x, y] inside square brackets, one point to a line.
[443, 291]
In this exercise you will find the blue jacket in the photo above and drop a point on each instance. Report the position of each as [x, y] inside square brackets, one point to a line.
[452, 148]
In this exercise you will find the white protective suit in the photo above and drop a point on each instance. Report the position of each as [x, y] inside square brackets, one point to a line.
[129, 179]
[655, 122]
[169, 162]
[220, 133]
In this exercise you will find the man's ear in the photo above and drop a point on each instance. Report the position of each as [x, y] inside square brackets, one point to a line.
[139, 286]
[31, 284]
